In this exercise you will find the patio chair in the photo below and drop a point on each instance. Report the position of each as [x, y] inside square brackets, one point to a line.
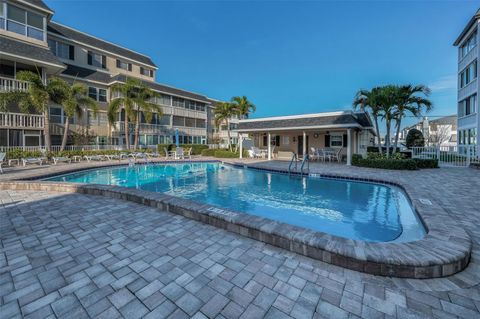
[112, 157]
[2, 161]
[336, 155]
[33, 160]
[179, 154]
[188, 153]
[153, 155]
[90, 158]
[257, 153]
[313, 153]
[59, 159]
[168, 154]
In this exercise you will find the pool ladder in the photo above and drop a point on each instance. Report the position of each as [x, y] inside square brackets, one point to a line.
[294, 160]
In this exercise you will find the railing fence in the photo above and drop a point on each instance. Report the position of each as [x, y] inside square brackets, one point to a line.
[457, 156]
[56, 148]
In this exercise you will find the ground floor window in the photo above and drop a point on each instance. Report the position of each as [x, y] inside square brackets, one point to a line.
[336, 140]
[468, 136]
[10, 137]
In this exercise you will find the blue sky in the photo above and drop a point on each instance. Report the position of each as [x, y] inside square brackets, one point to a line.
[287, 57]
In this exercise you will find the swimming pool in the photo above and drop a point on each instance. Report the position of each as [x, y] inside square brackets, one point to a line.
[350, 209]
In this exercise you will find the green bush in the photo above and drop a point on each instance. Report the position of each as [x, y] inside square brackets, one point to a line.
[225, 154]
[414, 139]
[19, 153]
[196, 148]
[426, 163]
[378, 162]
[209, 152]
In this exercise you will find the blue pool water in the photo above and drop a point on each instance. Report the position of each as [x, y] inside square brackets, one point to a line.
[356, 210]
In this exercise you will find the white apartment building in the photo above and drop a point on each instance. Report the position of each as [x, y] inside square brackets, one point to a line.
[468, 84]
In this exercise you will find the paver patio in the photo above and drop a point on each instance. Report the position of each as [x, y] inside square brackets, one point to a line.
[88, 256]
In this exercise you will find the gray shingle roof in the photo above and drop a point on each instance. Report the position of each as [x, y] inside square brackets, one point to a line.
[75, 35]
[40, 4]
[167, 89]
[305, 121]
[87, 74]
[28, 51]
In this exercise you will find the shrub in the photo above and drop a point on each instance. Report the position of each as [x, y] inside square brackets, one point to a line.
[414, 139]
[379, 162]
[19, 153]
[196, 148]
[209, 152]
[426, 163]
[225, 154]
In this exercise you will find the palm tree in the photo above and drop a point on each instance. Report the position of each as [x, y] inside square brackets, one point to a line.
[75, 102]
[143, 105]
[388, 101]
[408, 101]
[126, 100]
[37, 97]
[223, 112]
[371, 99]
[243, 106]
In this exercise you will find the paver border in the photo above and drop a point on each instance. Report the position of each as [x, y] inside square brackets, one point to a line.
[445, 249]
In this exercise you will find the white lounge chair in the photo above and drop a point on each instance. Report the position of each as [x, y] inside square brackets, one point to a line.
[90, 158]
[56, 160]
[2, 161]
[179, 154]
[153, 155]
[33, 160]
[112, 157]
[168, 154]
[188, 153]
[336, 155]
[257, 153]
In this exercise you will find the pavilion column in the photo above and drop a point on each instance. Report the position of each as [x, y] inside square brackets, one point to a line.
[304, 144]
[240, 138]
[349, 146]
[269, 141]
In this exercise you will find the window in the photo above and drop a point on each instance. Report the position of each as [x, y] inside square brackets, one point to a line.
[146, 72]
[23, 22]
[336, 140]
[124, 65]
[2, 17]
[178, 121]
[62, 50]
[191, 105]
[469, 44]
[200, 106]
[467, 137]
[165, 99]
[468, 74]
[190, 122]
[56, 115]
[97, 94]
[200, 123]
[178, 101]
[97, 60]
[285, 140]
[467, 106]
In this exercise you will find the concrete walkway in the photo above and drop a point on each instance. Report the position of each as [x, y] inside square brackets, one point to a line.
[88, 256]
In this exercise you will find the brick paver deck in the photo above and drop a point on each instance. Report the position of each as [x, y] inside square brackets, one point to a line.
[88, 256]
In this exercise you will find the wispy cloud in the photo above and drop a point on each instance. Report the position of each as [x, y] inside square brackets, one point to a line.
[444, 83]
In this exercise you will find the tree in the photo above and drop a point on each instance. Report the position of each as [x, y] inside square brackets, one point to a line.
[134, 97]
[243, 106]
[223, 112]
[442, 134]
[37, 97]
[76, 102]
[408, 101]
[414, 139]
[370, 99]
[387, 101]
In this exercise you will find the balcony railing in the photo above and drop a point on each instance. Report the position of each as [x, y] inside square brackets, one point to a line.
[21, 120]
[9, 85]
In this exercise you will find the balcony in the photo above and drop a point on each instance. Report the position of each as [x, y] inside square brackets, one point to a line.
[21, 121]
[9, 85]
[144, 128]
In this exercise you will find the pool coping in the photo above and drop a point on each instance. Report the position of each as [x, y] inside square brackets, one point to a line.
[445, 249]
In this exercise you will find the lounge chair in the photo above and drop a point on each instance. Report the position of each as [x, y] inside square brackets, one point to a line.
[33, 160]
[90, 158]
[257, 153]
[112, 157]
[179, 154]
[2, 161]
[153, 155]
[56, 160]
[188, 153]
[168, 154]
[313, 154]
[336, 155]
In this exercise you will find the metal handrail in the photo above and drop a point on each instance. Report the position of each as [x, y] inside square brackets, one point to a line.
[305, 160]
[294, 158]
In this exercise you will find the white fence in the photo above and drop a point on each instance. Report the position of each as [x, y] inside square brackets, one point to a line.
[56, 148]
[457, 156]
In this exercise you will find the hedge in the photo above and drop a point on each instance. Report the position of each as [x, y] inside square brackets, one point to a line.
[209, 152]
[397, 164]
[426, 163]
[225, 154]
[18, 153]
[392, 163]
[196, 148]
